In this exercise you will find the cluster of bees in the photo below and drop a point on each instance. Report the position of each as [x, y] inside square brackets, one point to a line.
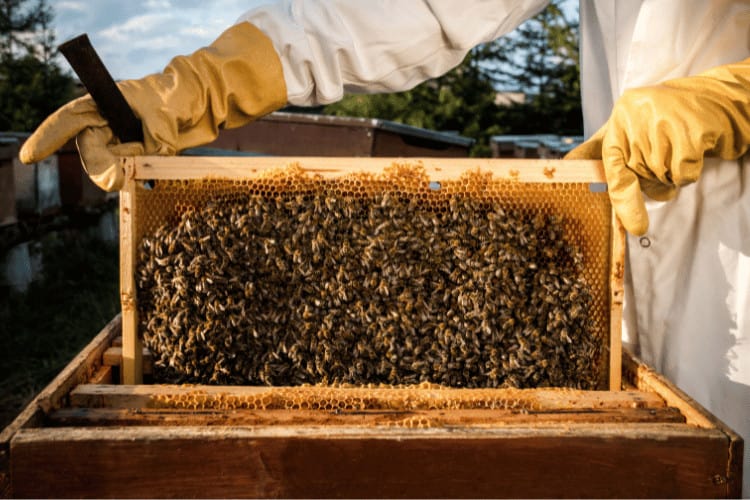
[324, 287]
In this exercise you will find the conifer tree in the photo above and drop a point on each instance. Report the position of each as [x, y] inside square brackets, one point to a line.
[32, 85]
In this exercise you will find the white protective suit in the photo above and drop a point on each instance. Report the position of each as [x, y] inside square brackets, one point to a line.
[688, 304]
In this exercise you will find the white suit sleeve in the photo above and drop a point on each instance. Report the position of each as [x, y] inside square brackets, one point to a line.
[331, 47]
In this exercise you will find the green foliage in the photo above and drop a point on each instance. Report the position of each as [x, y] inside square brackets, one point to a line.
[29, 91]
[539, 59]
[453, 102]
[32, 85]
[42, 329]
[18, 20]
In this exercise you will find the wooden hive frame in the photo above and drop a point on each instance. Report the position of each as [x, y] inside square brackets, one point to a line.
[140, 169]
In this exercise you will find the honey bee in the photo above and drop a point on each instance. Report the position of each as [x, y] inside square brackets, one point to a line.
[313, 282]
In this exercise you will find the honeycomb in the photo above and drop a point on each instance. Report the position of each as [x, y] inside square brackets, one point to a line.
[289, 279]
[417, 406]
[423, 396]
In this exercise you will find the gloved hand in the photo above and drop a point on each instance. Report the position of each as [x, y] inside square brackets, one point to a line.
[656, 137]
[235, 80]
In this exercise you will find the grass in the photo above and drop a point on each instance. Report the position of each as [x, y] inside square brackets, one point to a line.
[42, 329]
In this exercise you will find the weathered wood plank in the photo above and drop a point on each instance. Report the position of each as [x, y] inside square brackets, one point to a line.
[132, 348]
[113, 357]
[183, 167]
[319, 397]
[79, 370]
[616, 296]
[102, 376]
[647, 379]
[82, 417]
[623, 460]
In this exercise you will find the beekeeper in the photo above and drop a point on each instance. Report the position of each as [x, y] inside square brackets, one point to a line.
[665, 83]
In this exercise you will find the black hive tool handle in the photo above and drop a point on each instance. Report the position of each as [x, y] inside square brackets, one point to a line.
[94, 75]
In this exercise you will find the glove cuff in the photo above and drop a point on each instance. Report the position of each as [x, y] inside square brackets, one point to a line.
[235, 80]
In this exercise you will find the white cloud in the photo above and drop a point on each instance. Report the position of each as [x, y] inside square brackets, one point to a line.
[70, 5]
[158, 4]
[139, 37]
[133, 29]
[196, 31]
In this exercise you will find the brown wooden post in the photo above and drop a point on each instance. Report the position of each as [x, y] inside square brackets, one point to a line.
[617, 292]
[132, 350]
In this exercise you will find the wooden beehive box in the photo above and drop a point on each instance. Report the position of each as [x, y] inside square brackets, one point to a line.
[77, 190]
[82, 436]
[8, 151]
[99, 431]
[37, 187]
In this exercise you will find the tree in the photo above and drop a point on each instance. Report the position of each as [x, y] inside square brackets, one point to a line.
[539, 59]
[460, 101]
[32, 85]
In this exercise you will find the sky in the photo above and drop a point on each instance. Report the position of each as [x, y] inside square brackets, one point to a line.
[138, 37]
[135, 38]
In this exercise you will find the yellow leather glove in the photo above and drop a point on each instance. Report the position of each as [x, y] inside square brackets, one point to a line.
[235, 80]
[656, 137]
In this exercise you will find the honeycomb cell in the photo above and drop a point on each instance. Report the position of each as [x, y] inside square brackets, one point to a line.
[281, 279]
